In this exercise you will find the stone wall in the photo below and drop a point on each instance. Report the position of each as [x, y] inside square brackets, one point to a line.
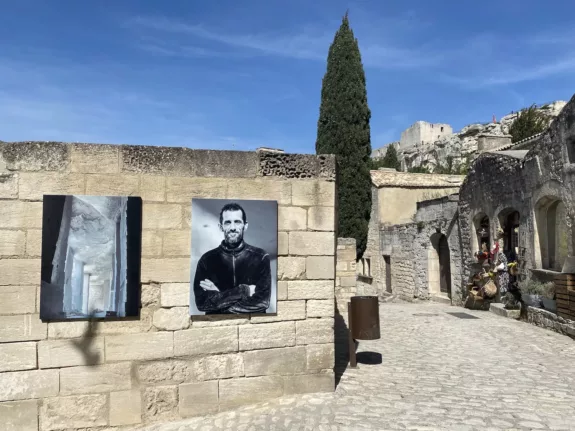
[345, 275]
[371, 269]
[412, 248]
[530, 182]
[492, 142]
[163, 365]
[423, 132]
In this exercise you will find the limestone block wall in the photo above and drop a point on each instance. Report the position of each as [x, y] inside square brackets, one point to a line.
[373, 282]
[345, 275]
[413, 253]
[521, 181]
[164, 365]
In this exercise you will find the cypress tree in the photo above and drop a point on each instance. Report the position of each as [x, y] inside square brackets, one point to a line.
[390, 160]
[343, 129]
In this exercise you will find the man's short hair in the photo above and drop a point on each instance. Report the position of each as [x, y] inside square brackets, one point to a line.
[232, 207]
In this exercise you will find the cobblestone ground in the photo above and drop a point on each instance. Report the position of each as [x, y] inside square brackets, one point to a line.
[437, 372]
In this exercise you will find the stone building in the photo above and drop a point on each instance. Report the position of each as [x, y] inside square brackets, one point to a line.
[422, 132]
[530, 195]
[162, 365]
[395, 202]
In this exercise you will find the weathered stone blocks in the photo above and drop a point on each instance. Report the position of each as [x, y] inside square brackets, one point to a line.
[162, 216]
[286, 310]
[217, 367]
[160, 403]
[8, 185]
[267, 335]
[289, 360]
[314, 331]
[313, 193]
[17, 356]
[137, 347]
[198, 398]
[112, 185]
[235, 392]
[183, 189]
[175, 294]
[19, 272]
[23, 327]
[17, 299]
[32, 186]
[172, 319]
[153, 189]
[176, 270]
[95, 159]
[321, 218]
[125, 408]
[177, 242]
[320, 267]
[283, 248]
[74, 412]
[291, 268]
[292, 218]
[102, 378]
[19, 415]
[12, 242]
[34, 242]
[203, 341]
[69, 353]
[311, 243]
[22, 385]
[320, 308]
[320, 356]
[310, 289]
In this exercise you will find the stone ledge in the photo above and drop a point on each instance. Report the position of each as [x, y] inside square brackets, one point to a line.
[167, 161]
[499, 309]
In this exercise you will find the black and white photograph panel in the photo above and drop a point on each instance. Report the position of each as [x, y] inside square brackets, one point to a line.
[234, 257]
[91, 248]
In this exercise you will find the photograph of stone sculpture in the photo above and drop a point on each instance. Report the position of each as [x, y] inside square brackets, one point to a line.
[91, 248]
[233, 257]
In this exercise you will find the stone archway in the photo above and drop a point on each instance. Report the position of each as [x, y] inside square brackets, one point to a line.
[551, 233]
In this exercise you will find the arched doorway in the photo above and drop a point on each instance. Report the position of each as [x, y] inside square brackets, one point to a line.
[509, 220]
[444, 266]
[439, 266]
[482, 232]
[552, 233]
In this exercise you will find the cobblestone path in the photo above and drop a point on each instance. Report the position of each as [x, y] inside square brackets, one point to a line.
[437, 372]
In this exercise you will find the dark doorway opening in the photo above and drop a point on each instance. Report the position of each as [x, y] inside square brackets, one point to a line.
[444, 266]
[387, 260]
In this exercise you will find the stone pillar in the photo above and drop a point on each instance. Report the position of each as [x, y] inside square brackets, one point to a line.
[345, 274]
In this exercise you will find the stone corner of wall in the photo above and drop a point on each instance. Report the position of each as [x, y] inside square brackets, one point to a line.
[346, 241]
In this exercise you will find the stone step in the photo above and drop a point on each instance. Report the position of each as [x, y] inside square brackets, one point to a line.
[499, 309]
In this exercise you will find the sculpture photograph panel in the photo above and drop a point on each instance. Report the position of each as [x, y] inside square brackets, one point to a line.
[234, 257]
[91, 249]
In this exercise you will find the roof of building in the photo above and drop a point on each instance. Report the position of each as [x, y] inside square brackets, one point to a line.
[407, 179]
[520, 144]
[517, 154]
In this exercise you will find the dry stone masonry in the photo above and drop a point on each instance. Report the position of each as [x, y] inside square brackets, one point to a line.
[163, 365]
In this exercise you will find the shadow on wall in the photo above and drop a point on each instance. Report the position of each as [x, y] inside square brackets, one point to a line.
[341, 334]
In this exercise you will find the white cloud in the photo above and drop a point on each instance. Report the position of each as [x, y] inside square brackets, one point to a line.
[306, 44]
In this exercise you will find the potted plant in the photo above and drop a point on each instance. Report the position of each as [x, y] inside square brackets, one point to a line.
[532, 292]
[548, 299]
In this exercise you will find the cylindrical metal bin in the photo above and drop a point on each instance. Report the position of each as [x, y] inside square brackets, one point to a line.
[364, 318]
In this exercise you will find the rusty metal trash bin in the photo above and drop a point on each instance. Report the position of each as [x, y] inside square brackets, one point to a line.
[363, 316]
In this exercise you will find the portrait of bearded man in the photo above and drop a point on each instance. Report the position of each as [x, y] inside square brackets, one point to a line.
[235, 277]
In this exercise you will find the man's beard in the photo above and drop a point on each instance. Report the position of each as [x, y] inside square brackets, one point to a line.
[234, 238]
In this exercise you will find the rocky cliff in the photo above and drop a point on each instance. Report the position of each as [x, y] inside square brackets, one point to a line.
[461, 147]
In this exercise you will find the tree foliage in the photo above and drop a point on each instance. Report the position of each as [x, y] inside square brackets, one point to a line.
[529, 122]
[343, 129]
[418, 170]
[390, 160]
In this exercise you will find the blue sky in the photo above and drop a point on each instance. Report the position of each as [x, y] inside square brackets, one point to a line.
[244, 74]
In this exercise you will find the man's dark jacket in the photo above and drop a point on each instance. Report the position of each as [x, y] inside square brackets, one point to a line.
[232, 270]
